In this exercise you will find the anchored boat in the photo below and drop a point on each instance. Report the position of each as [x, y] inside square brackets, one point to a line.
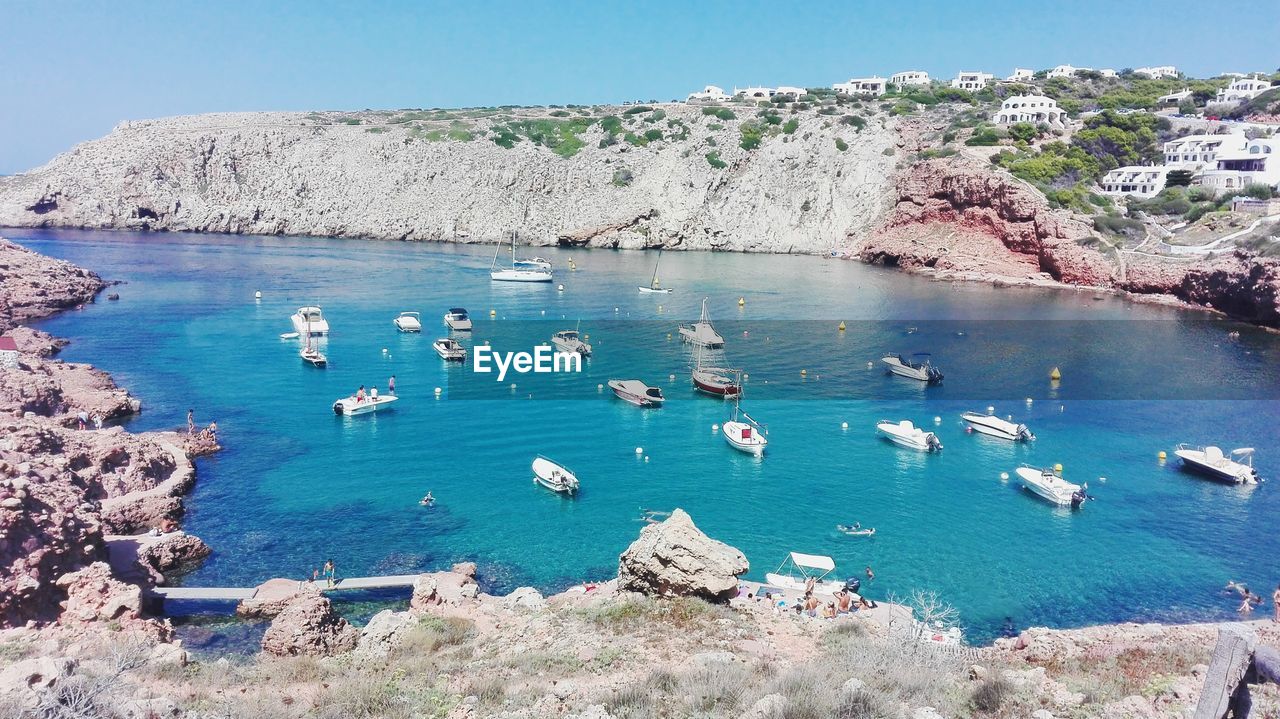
[654, 286]
[702, 333]
[554, 476]
[309, 321]
[518, 272]
[535, 262]
[636, 392]
[798, 569]
[856, 530]
[908, 435]
[1048, 485]
[449, 349]
[992, 425]
[457, 319]
[409, 322]
[743, 432]
[715, 381]
[920, 369]
[1214, 463]
[313, 356]
[352, 406]
[570, 341]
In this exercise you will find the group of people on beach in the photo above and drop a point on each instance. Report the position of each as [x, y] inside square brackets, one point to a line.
[209, 433]
[1249, 600]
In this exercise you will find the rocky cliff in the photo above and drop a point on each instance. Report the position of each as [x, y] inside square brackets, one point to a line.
[601, 182]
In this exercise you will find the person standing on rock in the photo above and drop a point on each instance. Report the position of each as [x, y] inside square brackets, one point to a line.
[82, 418]
[329, 571]
[97, 421]
[191, 422]
[1275, 600]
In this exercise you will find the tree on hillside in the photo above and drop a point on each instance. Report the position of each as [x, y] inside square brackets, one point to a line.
[1178, 178]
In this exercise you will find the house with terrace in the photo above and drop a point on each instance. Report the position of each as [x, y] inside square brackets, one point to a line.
[789, 90]
[1139, 180]
[1034, 109]
[710, 93]
[971, 81]
[1159, 72]
[754, 93]
[1257, 163]
[1021, 74]
[1175, 98]
[869, 86]
[909, 77]
[1065, 71]
[1245, 88]
[1196, 152]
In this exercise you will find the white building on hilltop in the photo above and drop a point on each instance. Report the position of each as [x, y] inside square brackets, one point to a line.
[1175, 98]
[710, 93]
[971, 81]
[1065, 71]
[754, 93]
[873, 86]
[1157, 73]
[791, 90]
[1034, 109]
[1021, 74]
[1257, 163]
[1246, 88]
[1195, 152]
[909, 77]
[1142, 181]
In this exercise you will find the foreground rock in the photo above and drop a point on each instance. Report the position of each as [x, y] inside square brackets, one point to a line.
[34, 286]
[675, 559]
[309, 626]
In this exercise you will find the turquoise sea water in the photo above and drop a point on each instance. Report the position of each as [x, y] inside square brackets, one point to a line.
[297, 485]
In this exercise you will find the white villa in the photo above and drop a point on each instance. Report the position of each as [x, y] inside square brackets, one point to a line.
[1175, 98]
[1030, 108]
[1021, 74]
[710, 93]
[1143, 181]
[790, 90]
[909, 77]
[1195, 152]
[1157, 73]
[1246, 88]
[972, 80]
[873, 86]
[754, 93]
[1257, 163]
[1065, 71]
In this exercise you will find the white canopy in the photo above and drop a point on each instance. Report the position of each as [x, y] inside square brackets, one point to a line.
[813, 561]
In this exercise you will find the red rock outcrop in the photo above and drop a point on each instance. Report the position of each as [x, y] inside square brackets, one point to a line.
[94, 596]
[308, 625]
[1241, 284]
[952, 215]
[34, 286]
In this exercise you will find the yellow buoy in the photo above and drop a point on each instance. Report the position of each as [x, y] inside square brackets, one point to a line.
[493, 313]
[804, 371]
[841, 327]
[1162, 455]
[1057, 468]
[742, 301]
[1055, 374]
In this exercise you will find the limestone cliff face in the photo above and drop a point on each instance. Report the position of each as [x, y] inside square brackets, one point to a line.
[295, 174]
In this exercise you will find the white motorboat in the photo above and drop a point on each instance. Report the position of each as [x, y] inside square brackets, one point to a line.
[856, 530]
[409, 322]
[743, 432]
[920, 369]
[1213, 462]
[636, 392]
[457, 319]
[518, 273]
[534, 262]
[1048, 485]
[992, 425]
[554, 476]
[797, 569]
[309, 321]
[570, 341]
[655, 287]
[908, 435]
[313, 357]
[352, 406]
[450, 349]
[702, 333]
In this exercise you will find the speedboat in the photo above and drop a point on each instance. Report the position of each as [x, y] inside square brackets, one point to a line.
[637, 392]
[655, 287]
[992, 425]
[449, 349]
[517, 272]
[570, 341]
[715, 381]
[534, 262]
[554, 476]
[908, 435]
[701, 333]
[457, 319]
[313, 357]
[309, 321]
[1212, 462]
[920, 369]
[798, 569]
[351, 406]
[409, 322]
[855, 530]
[1047, 484]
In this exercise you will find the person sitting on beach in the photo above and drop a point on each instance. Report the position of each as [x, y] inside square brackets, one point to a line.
[846, 602]
[864, 603]
[829, 611]
[811, 604]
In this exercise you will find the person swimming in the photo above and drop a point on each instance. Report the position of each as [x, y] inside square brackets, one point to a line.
[428, 500]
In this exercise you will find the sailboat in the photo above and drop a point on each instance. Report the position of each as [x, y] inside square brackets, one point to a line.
[312, 355]
[715, 381]
[743, 432]
[655, 287]
[701, 332]
[518, 272]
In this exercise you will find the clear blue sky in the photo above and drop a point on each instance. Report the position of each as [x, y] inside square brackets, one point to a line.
[70, 70]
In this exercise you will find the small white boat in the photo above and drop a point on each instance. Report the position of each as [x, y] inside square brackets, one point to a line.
[313, 357]
[797, 569]
[992, 425]
[702, 333]
[449, 349]
[351, 406]
[919, 369]
[534, 262]
[856, 530]
[409, 322]
[554, 476]
[743, 432]
[1046, 484]
[457, 319]
[518, 273]
[1213, 462]
[636, 392]
[655, 287]
[906, 434]
[570, 341]
[290, 336]
[309, 321]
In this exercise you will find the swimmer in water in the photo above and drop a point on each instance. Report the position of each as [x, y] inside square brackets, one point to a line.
[428, 500]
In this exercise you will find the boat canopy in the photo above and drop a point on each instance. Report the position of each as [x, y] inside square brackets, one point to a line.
[813, 561]
[457, 311]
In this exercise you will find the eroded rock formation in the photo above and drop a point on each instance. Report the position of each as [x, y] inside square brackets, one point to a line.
[308, 625]
[674, 558]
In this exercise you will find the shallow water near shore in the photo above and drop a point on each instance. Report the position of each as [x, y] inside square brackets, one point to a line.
[296, 485]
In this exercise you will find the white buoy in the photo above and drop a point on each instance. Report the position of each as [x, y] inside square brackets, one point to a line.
[870, 365]
[544, 312]
[560, 288]
[715, 428]
[599, 388]
[257, 295]
[1004, 475]
[671, 377]
[937, 420]
[384, 350]
[646, 458]
[513, 386]
[438, 391]
[615, 309]
[844, 425]
[745, 376]
[990, 409]
[639, 450]
[1029, 400]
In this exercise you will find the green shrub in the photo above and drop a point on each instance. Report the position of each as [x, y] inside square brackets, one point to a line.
[752, 135]
[559, 113]
[622, 177]
[638, 109]
[656, 116]
[1023, 131]
[984, 137]
[653, 134]
[855, 121]
[1258, 191]
[504, 137]
[841, 145]
[713, 159]
[991, 694]
[611, 124]
[1115, 225]
[723, 113]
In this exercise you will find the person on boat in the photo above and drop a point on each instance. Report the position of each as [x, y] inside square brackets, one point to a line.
[391, 385]
[360, 394]
[428, 500]
[810, 584]
[373, 394]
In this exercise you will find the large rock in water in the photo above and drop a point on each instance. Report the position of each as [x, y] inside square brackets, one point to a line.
[308, 625]
[675, 559]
